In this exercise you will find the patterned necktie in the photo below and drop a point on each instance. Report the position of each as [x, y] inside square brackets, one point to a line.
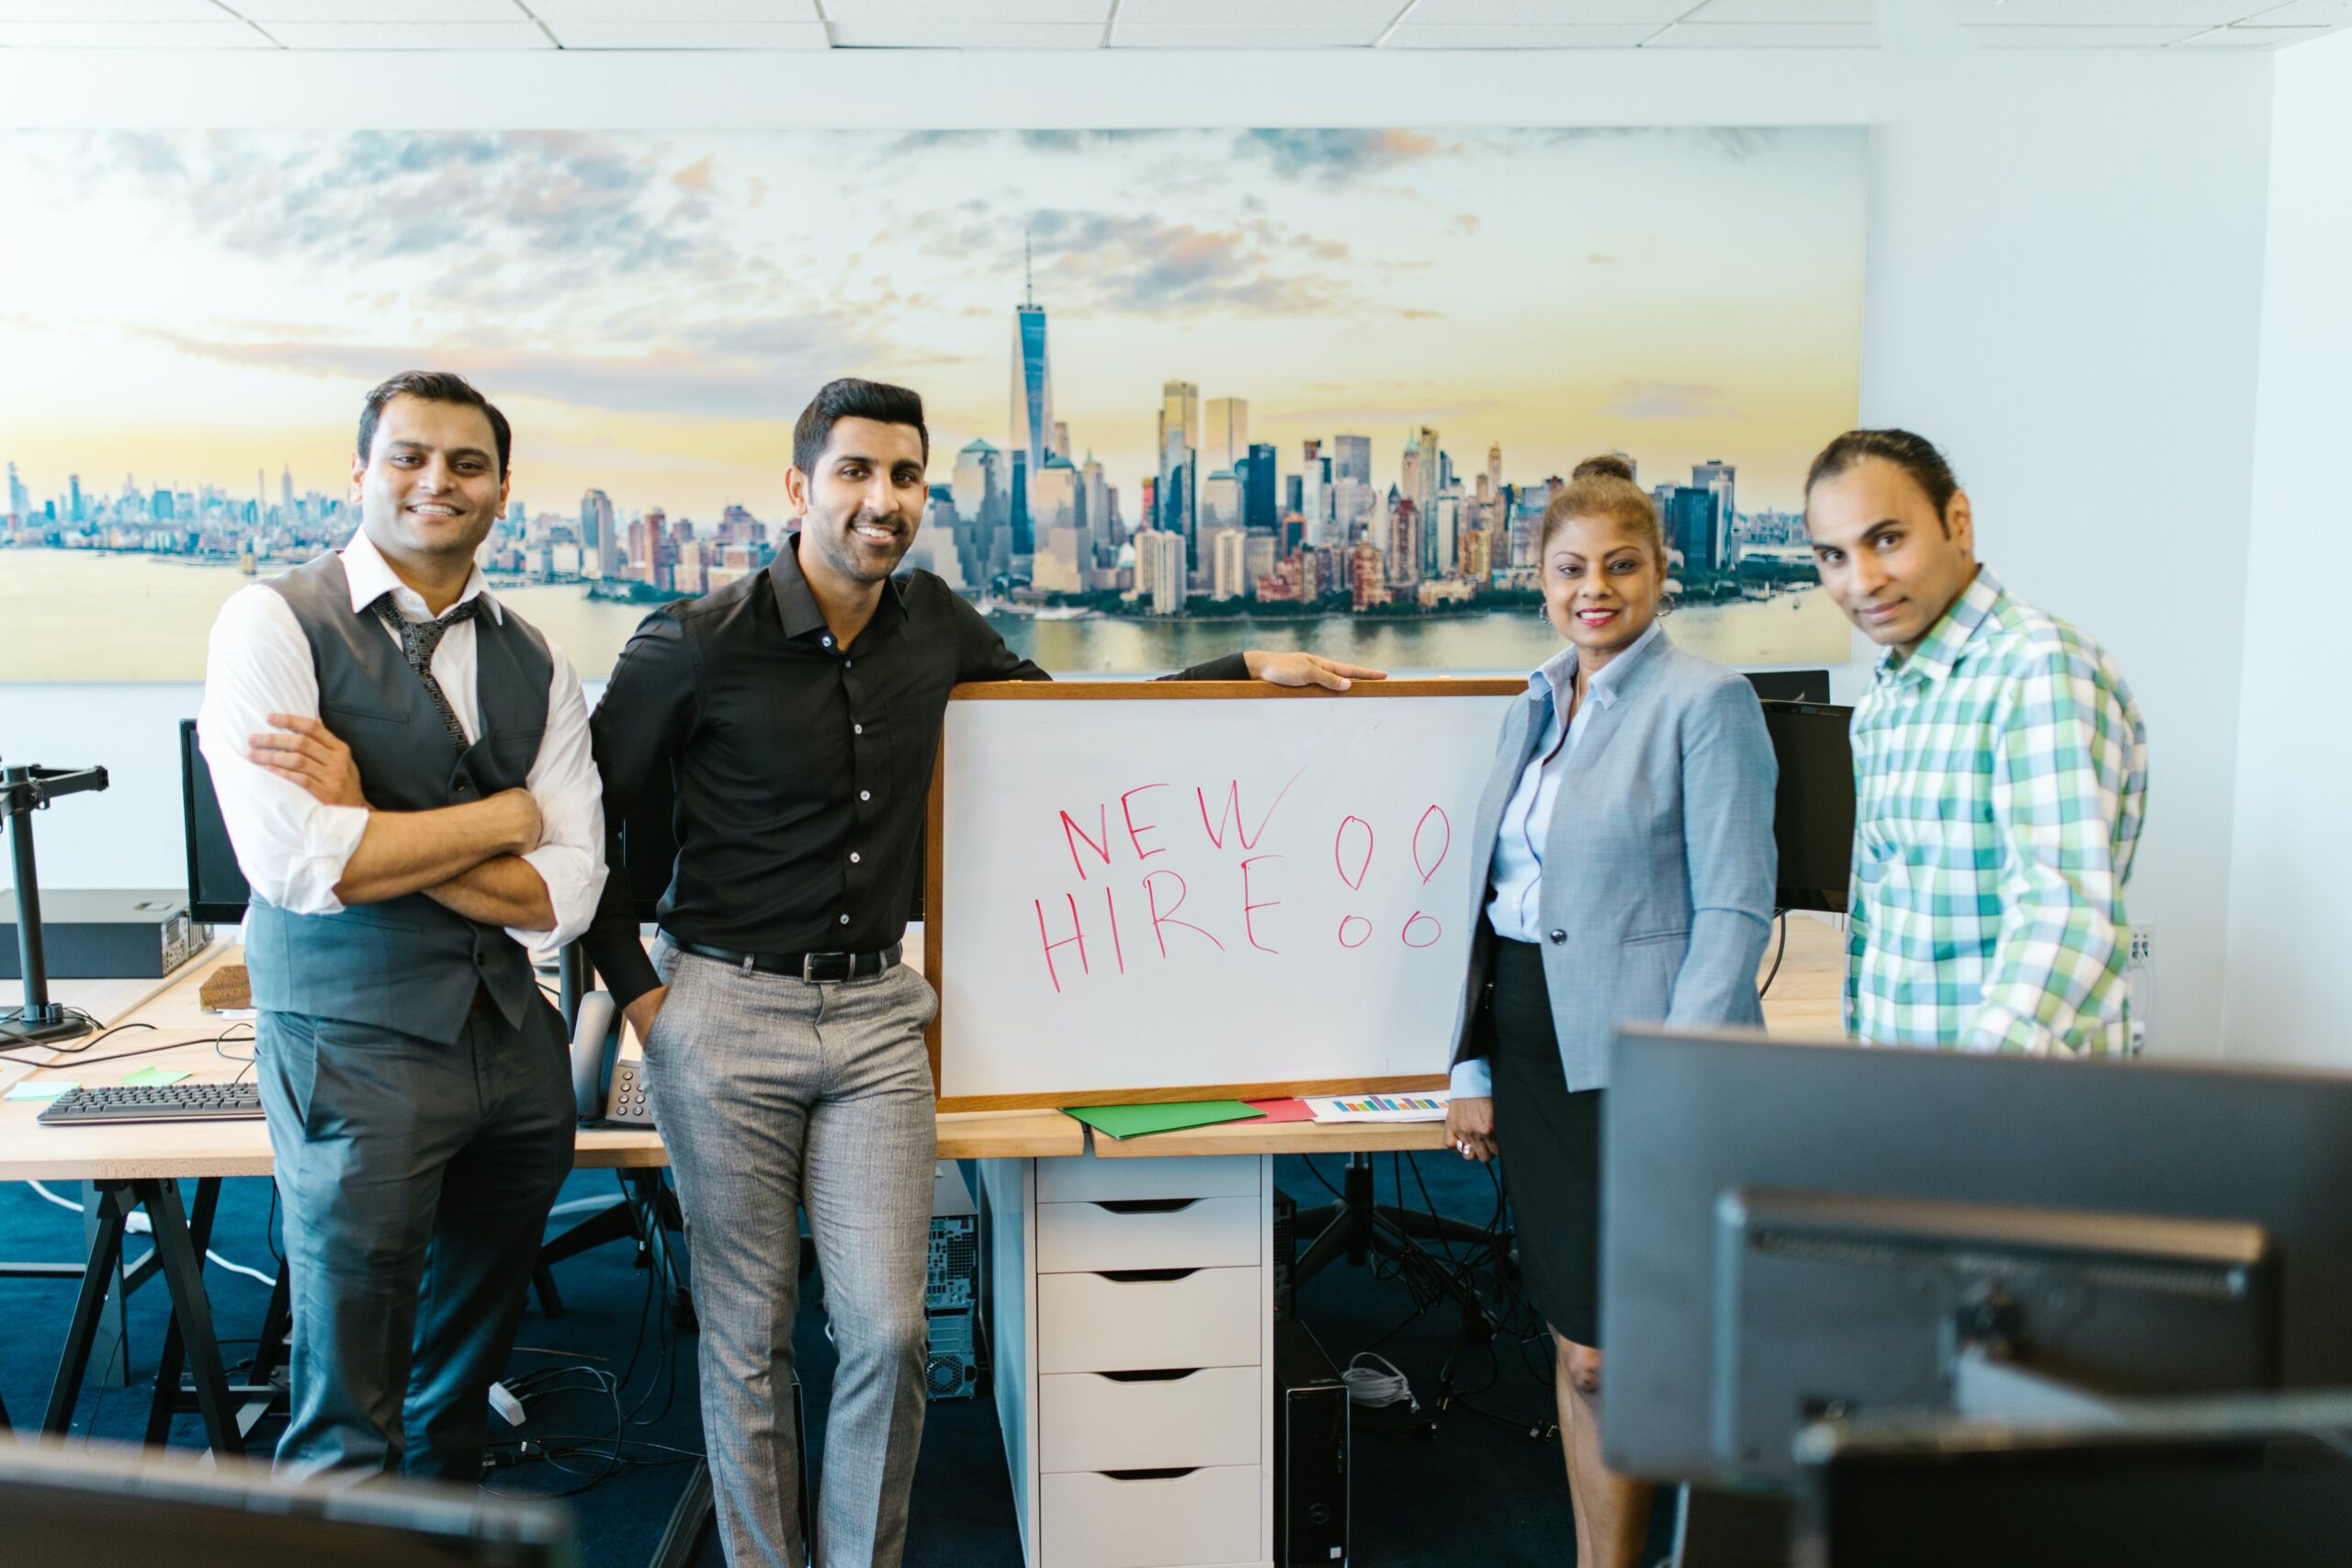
[419, 639]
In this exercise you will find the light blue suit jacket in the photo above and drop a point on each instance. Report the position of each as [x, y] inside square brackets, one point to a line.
[1658, 866]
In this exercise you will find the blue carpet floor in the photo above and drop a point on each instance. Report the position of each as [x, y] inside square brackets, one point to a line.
[1479, 1491]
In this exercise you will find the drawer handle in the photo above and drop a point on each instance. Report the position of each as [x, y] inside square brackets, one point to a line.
[1168, 1374]
[1145, 1206]
[1139, 1276]
[1148, 1474]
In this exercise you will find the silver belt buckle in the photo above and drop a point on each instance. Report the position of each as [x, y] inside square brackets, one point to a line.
[807, 968]
[747, 964]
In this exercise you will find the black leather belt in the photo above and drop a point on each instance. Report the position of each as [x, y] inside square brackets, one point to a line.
[802, 965]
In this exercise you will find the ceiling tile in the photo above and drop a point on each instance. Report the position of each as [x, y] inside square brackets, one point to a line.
[895, 34]
[112, 11]
[1861, 13]
[1375, 13]
[689, 35]
[2101, 13]
[2303, 13]
[976, 13]
[1537, 13]
[1470, 34]
[224, 33]
[409, 35]
[2252, 38]
[1763, 35]
[672, 10]
[379, 10]
[1125, 35]
[2079, 37]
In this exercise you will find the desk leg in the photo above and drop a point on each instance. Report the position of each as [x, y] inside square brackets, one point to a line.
[184, 1275]
[167, 1361]
[103, 1273]
[112, 1347]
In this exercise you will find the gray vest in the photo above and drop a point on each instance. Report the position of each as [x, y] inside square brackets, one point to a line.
[406, 965]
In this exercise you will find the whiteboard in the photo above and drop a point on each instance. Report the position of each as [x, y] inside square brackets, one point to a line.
[1160, 892]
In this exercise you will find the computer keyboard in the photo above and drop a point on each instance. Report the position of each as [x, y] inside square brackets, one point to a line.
[157, 1102]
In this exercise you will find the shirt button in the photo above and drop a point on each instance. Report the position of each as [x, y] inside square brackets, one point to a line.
[857, 730]
[826, 641]
[865, 794]
[853, 857]
[1557, 936]
[849, 663]
[844, 919]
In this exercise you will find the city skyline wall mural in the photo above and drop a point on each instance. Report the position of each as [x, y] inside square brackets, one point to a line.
[1187, 390]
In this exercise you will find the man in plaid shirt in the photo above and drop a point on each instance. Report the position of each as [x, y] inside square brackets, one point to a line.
[2001, 772]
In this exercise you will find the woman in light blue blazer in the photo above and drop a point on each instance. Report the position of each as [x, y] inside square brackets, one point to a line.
[1627, 830]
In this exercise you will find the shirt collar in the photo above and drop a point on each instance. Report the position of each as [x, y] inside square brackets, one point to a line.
[796, 601]
[1555, 676]
[370, 577]
[1941, 650]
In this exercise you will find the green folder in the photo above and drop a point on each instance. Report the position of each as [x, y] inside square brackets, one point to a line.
[1135, 1121]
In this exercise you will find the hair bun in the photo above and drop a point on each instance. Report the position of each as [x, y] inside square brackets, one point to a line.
[1608, 465]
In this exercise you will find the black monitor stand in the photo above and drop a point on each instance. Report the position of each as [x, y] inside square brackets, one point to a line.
[23, 791]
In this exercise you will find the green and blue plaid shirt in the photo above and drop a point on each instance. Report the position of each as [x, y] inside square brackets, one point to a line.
[2001, 773]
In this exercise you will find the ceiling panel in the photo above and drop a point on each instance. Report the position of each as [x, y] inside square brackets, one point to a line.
[112, 11]
[2101, 13]
[2305, 13]
[1472, 35]
[2251, 37]
[1760, 35]
[894, 34]
[672, 10]
[2080, 37]
[408, 35]
[972, 13]
[689, 35]
[1375, 14]
[1127, 35]
[223, 33]
[1861, 13]
[378, 10]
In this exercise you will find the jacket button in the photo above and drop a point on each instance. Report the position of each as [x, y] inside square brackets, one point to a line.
[1557, 936]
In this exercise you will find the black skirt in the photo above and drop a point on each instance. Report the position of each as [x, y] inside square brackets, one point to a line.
[1551, 1149]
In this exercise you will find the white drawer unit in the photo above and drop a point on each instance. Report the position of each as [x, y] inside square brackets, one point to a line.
[1186, 1520]
[1147, 1232]
[1131, 1317]
[1099, 1421]
[1120, 1322]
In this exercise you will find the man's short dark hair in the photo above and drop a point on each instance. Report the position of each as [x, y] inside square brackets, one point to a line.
[434, 387]
[850, 398]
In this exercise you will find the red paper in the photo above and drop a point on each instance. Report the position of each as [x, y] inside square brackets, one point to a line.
[1282, 1109]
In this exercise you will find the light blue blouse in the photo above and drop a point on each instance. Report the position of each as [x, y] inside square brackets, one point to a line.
[1518, 869]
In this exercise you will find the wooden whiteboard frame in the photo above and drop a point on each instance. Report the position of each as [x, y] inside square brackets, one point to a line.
[935, 892]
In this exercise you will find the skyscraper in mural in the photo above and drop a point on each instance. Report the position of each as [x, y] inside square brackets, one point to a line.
[1032, 412]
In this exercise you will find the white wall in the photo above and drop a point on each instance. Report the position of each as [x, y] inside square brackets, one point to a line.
[2064, 287]
[2291, 895]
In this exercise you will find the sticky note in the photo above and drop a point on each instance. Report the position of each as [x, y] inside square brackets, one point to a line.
[44, 1088]
[153, 1075]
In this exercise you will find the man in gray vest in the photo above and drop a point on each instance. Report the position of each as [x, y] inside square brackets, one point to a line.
[404, 768]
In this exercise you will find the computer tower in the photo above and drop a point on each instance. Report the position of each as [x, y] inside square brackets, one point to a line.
[952, 1290]
[1286, 1254]
[1310, 1451]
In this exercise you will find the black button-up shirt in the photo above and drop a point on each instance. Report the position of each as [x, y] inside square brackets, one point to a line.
[802, 770]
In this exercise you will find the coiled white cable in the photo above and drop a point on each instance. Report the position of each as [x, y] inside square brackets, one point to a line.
[1368, 1386]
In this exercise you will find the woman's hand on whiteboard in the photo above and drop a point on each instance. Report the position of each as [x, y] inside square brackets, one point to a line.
[1470, 1127]
[1306, 669]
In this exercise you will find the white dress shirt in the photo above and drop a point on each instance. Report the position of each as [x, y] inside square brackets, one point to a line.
[1514, 907]
[293, 847]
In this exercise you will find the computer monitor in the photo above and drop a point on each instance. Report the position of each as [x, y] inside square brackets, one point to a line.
[217, 892]
[1790, 685]
[1812, 813]
[2268, 1481]
[1791, 1231]
[68, 1508]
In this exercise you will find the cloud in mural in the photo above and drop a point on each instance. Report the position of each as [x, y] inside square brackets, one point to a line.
[1669, 400]
[1335, 156]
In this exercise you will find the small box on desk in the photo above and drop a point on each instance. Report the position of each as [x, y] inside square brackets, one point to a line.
[115, 933]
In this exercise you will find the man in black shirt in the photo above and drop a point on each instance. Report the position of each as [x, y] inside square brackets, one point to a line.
[800, 711]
